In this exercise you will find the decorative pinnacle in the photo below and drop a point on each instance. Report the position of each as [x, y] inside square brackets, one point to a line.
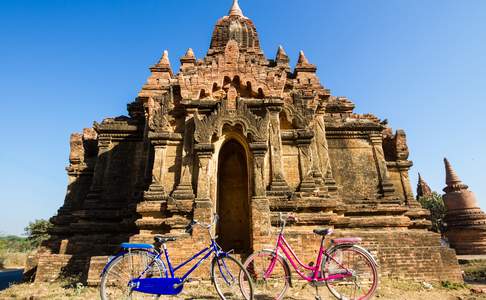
[165, 59]
[281, 55]
[453, 181]
[302, 59]
[235, 9]
[190, 53]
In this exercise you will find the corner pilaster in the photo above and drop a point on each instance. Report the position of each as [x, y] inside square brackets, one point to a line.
[278, 185]
[386, 186]
[203, 205]
[307, 183]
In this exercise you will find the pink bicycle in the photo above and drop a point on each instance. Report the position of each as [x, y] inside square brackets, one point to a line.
[348, 270]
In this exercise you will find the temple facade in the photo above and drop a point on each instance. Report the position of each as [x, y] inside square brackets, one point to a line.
[247, 137]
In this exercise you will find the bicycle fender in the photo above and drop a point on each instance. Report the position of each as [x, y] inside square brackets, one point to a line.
[365, 252]
[121, 253]
[111, 259]
[286, 264]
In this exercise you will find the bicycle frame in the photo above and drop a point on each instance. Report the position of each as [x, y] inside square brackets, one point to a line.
[206, 252]
[289, 253]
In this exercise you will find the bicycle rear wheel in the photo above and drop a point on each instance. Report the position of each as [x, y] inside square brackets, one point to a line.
[356, 262]
[230, 278]
[114, 282]
[278, 280]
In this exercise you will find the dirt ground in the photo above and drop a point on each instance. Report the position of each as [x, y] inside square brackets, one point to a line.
[389, 289]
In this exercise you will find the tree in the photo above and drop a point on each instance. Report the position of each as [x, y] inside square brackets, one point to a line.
[38, 231]
[435, 205]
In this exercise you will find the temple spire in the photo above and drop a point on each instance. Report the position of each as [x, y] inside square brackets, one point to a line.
[451, 176]
[423, 189]
[453, 182]
[235, 9]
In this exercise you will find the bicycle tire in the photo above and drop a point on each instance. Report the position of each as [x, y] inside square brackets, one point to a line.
[359, 261]
[114, 282]
[225, 271]
[278, 282]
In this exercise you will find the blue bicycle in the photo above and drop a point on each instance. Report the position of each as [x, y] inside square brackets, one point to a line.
[138, 271]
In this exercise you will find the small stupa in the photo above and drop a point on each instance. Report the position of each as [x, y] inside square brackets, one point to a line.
[466, 222]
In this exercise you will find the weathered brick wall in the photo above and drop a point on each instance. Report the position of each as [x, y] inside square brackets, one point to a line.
[354, 168]
[52, 267]
[412, 254]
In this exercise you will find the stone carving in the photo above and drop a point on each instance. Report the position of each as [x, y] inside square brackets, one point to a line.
[395, 145]
[158, 115]
[251, 124]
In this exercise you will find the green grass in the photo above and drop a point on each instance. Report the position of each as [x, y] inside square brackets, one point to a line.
[453, 285]
[475, 270]
[12, 243]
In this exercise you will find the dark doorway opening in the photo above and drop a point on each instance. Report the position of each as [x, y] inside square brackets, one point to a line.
[233, 198]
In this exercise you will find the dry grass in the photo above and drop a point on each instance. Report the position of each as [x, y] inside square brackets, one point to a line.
[14, 260]
[54, 291]
[389, 289]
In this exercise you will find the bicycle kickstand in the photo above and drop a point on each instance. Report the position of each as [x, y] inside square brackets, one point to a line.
[317, 293]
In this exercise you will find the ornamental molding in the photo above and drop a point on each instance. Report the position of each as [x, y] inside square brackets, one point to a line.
[253, 126]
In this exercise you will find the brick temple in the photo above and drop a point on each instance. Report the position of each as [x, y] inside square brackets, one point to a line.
[247, 137]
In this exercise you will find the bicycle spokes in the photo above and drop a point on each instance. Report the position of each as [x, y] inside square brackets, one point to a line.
[225, 272]
[359, 276]
[230, 278]
[269, 273]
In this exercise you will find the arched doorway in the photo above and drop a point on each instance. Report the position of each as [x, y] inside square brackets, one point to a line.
[233, 198]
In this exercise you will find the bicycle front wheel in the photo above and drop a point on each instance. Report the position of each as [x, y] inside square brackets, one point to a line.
[230, 278]
[268, 284]
[114, 282]
[360, 274]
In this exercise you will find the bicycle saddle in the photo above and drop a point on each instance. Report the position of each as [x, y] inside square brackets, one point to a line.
[164, 239]
[323, 232]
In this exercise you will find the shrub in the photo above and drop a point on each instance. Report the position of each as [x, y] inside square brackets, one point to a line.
[38, 231]
[435, 205]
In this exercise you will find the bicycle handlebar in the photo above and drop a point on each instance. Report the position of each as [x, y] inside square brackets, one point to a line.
[288, 217]
[195, 222]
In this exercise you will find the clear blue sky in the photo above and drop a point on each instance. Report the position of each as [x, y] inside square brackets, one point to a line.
[64, 64]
